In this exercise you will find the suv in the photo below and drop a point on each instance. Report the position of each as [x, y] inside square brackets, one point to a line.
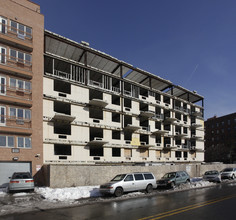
[228, 173]
[128, 183]
[173, 178]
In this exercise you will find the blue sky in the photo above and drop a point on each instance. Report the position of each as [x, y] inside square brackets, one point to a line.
[192, 43]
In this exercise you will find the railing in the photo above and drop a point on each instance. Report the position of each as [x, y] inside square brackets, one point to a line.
[16, 92]
[128, 93]
[181, 109]
[10, 121]
[115, 89]
[15, 33]
[95, 84]
[15, 62]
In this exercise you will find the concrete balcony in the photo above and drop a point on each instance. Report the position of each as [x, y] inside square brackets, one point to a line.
[64, 117]
[97, 141]
[147, 114]
[132, 127]
[98, 102]
[161, 132]
[196, 125]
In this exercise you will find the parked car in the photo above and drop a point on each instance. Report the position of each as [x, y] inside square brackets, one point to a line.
[128, 183]
[212, 176]
[228, 173]
[173, 178]
[21, 181]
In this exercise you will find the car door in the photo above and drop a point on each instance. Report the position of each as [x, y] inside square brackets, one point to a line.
[140, 183]
[178, 178]
[129, 183]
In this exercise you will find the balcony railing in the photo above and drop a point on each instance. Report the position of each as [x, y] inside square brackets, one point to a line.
[15, 122]
[16, 92]
[15, 33]
[15, 62]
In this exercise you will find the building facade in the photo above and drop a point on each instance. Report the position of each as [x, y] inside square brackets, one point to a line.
[21, 88]
[220, 136]
[64, 102]
[98, 109]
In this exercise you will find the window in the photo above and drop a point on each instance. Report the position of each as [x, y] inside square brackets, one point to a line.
[115, 117]
[116, 152]
[6, 141]
[138, 176]
[2, 85]
[115, 100]
[20, 113]
[61, 149]
[24, 142]
[129, 178]
[96, 151]
[3, 25]
[3, 53]
[148, 176]
[2, 115]
[178, 154]
[116, 135]
[22, 30]
[20, 84]
[20, 57]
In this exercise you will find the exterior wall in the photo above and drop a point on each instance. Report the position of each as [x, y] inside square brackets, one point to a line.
[75, 175]
[28, 14]
[220, 139]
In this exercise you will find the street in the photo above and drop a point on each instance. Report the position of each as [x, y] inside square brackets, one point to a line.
[215, 202]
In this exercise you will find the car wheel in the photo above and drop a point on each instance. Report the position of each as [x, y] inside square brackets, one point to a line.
[149, 188]
[233, 176]
[187, 181]
[118, 192]
[172, 185]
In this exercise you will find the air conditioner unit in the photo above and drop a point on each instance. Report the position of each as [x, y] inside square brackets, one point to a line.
[143, 143]
[167, 145]
[128, 142]
[143, 97]
[127, 109]
[98, 139]
[158, 144]
[158, 102]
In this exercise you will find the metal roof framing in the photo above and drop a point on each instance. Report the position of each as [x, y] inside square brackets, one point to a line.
[64, 47]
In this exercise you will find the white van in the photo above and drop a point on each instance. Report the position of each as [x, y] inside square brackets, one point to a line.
[128, 183]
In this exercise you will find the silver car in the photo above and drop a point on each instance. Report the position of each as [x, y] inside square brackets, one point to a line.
[228, 173]
[128, 183]
[212, 176]
[21, 181]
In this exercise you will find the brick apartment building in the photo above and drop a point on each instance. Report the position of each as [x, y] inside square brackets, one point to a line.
[67, 103]
[220, 136]
[21, 88]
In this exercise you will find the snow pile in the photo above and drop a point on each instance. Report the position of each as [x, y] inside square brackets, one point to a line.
[202, 183]
[68, 194]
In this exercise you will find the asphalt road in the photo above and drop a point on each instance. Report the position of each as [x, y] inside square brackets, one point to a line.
[206, 203]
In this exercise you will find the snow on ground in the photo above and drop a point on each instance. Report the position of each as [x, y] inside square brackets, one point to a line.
[49, 198]
[75, 193]
[68, 194]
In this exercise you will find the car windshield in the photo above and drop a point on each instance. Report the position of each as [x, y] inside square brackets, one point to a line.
[119, 177]
[169, 175]
[21, 176]
[227, 169]
[213, 172]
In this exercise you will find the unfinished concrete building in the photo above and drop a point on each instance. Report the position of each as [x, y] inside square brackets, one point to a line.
[98, 109]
